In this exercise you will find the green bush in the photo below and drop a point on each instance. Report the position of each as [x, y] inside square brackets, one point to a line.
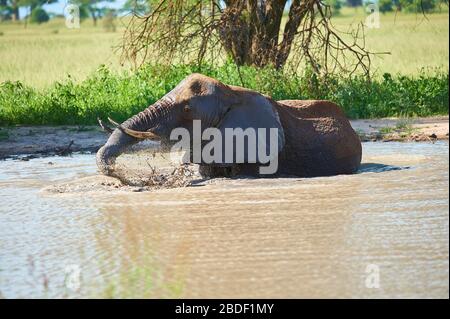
[39, 15]
[385, 6]
[106, 93]
[354, 3]
[335, 5]
[418, 5]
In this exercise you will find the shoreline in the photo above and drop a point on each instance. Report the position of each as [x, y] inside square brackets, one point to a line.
[422, 129]
[26, 142]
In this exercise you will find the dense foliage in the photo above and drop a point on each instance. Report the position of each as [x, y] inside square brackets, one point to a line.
[38, 15]
[386, 5]
[105, 93]
[419, 5]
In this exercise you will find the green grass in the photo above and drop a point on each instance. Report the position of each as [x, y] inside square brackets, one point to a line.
[42, 54]
[386, 130]
[404, 123]
[414, 41]
[404, 127]
[50, 74]
[120, 95]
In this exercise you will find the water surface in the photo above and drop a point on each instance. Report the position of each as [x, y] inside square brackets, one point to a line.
[257, 238]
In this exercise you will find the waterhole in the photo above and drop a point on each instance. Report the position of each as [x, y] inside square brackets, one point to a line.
[231, 238]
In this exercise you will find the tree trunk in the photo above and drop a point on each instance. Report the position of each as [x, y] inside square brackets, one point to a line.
[94, 16]
[250, 31]
[28, 16]
[15, 11]
[297, 11]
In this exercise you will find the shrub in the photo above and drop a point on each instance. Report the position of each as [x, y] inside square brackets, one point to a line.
[39, 15]
[105, 93]
[418, 5]
[385, 6]
[354, 3]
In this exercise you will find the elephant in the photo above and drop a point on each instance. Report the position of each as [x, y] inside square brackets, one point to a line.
[314, 136]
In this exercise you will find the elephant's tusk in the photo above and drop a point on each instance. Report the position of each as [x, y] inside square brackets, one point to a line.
[137, 134]
[104, 127]
[113, 122]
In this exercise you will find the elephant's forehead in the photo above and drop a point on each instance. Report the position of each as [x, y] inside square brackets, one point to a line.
[199, 87]
[197, 84]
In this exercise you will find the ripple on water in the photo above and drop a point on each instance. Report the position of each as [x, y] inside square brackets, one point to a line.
[287, 237]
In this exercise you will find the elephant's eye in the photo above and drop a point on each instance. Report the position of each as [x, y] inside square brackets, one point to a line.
[186, 108]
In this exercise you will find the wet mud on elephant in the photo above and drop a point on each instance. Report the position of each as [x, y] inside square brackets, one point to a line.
[315, 138]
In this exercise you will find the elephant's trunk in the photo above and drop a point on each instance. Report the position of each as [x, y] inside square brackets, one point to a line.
[119, 140]
[107, 154]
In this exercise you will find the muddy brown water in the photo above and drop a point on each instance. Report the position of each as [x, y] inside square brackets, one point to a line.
[320, 237]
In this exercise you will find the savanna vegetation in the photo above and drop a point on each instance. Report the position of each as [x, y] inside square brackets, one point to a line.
[50, 74]
[107, 93]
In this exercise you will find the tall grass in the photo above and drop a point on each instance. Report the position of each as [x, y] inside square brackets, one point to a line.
[107, 93]
[42, 54]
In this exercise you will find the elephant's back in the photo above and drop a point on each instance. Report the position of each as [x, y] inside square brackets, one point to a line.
[319, 139]
[312, 108]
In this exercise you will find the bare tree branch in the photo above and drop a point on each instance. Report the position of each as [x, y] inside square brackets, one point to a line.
[250, 32]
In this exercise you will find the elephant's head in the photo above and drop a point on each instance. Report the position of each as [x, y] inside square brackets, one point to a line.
[197, 97]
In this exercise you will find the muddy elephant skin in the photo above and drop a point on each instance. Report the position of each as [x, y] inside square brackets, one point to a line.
[316, 138]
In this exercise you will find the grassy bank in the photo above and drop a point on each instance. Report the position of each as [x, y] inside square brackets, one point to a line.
[107, 93]
[48, 73]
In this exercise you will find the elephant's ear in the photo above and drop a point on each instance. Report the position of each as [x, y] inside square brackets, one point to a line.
[259, 115]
